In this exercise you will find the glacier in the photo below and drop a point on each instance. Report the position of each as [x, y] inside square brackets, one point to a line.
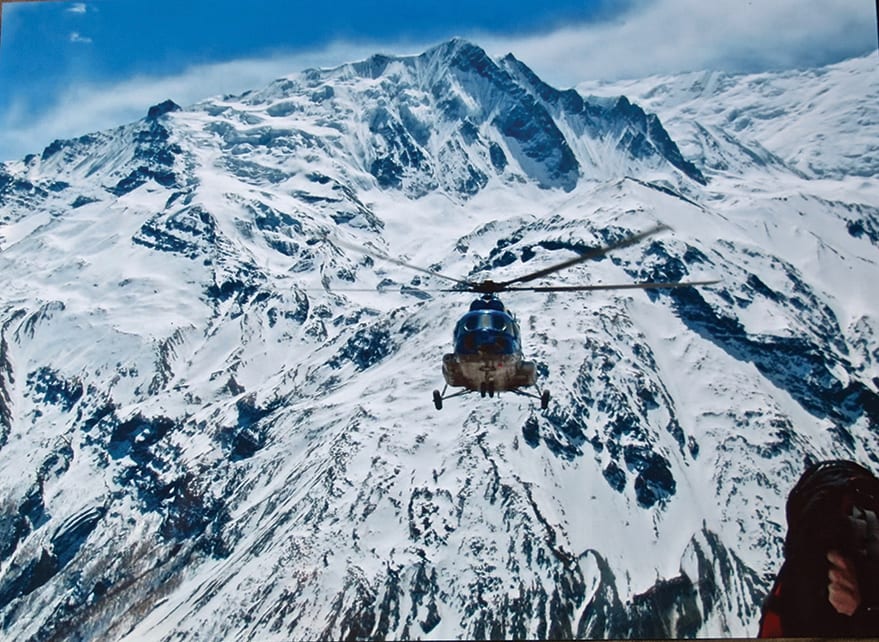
[216, 423]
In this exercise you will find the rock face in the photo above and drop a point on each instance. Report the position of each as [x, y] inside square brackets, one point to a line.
[215, 420]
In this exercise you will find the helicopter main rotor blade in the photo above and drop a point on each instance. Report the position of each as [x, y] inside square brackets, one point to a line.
[559, 288]
[586, 256]
[609, 286]
[384, 257]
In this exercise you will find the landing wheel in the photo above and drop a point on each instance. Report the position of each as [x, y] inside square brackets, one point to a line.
[437, 400]
[491, 389]
[544, 400]
[483, 389]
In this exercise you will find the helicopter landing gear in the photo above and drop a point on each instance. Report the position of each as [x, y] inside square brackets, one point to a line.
[488, 389]
[439, 397]
[543, 397]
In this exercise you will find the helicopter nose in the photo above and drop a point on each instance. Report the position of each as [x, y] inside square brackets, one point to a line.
[491, 342]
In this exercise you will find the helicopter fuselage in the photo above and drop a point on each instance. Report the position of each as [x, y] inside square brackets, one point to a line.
[487, 355]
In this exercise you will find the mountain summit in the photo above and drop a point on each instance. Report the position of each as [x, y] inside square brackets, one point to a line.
[216, 422]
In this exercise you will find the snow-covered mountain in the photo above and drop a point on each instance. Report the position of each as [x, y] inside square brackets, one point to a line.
[215, 419]
[822, 123]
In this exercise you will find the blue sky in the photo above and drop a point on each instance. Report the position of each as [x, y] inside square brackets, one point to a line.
[68, 68]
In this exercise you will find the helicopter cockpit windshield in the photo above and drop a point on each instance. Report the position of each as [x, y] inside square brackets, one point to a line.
[485, 320]
[490, 330]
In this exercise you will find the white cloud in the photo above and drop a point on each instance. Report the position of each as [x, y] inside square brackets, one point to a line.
[87, 107]
[77, 7]
[654, 37]
[669, 36]
[78, 37]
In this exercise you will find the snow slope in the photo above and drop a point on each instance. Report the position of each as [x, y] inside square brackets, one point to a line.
[215, 421]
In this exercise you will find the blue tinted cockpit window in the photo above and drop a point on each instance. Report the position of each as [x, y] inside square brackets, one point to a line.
[487, 320]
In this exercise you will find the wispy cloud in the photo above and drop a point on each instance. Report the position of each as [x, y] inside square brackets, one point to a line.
[671, 36]
[78, 37]
[87, 107]
[653, 37]
[78, 7]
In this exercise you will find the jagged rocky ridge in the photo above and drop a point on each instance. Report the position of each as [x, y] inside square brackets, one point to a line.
[215, 422]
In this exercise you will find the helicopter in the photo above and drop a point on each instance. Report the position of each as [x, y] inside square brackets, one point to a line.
[487, 354]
